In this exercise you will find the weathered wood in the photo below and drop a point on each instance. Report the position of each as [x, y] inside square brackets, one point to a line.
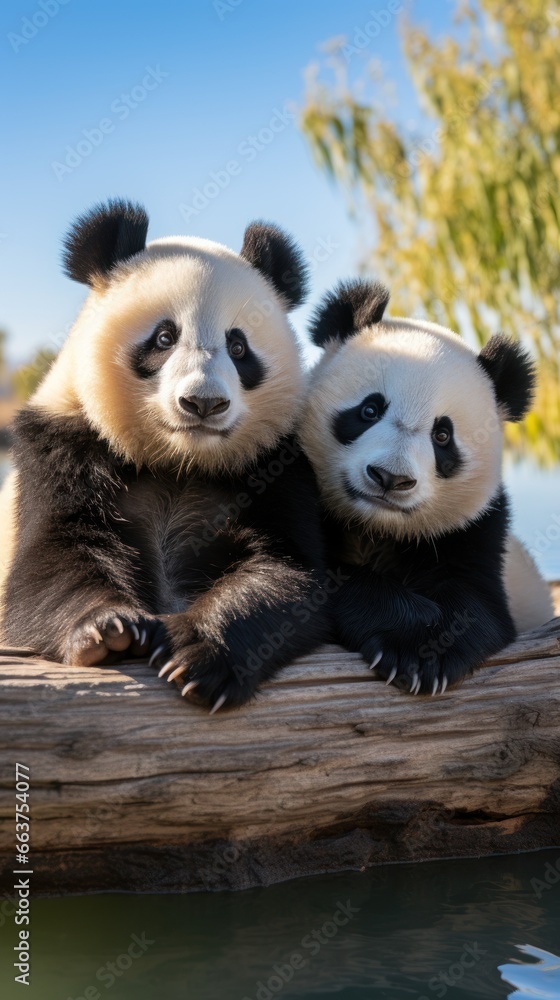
[132, 788]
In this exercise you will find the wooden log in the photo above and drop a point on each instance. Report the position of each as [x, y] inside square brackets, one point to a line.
[133, 789]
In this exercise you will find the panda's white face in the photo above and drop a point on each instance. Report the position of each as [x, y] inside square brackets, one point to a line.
[185, 356]
[403, 429]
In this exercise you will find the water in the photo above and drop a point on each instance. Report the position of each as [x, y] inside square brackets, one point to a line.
[535, 500]
[406, 932]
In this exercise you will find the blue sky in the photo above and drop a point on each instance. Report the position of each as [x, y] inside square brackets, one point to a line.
[228, 73]
[218, 73]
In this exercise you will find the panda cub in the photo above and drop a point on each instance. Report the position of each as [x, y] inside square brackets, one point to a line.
[403, 426]
[159, 503]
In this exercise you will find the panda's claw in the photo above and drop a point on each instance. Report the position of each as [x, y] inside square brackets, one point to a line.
[166, 667]
[178, 670]
[435, 687]
[444, 684]
[143, 637]
[415, 683]
[96, 634]
[157, 652]
[118, 625]
[218, 704]
[135, 632]
[189, 687]
[376, 660]
[391, 676]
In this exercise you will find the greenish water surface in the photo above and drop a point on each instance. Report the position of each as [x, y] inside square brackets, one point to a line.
[421, 931]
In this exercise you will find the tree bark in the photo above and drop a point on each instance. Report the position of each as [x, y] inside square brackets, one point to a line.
[131, 788]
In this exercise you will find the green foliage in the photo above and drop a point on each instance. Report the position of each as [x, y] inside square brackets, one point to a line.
[3, 339]
[26, 378]
[466, 216]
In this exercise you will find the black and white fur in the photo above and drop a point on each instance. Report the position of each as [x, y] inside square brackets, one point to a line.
[159, 501]
[403, 426]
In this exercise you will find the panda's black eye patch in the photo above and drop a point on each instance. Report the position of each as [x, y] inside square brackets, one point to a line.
[148, 358]
[249, 367]
[349, 424]
[447, 454]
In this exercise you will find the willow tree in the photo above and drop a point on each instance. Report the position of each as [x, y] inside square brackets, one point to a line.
[3, 365]
[465, 215]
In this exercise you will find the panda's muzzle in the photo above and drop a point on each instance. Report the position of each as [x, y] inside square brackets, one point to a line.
[389, 481]
[204, 406]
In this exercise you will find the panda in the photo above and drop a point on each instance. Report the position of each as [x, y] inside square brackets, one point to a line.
[403, 426]
[159, 501]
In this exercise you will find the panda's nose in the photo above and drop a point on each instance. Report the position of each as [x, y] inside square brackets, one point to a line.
[204, 406]
[389, 480]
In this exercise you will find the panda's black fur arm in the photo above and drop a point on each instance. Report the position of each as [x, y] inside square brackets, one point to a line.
[70, 561]
[437, 609]
[269, 606]
[248, 557]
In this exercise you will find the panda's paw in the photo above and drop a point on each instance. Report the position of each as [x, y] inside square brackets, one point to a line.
[106, 635]
[202, 669]
[408, 666]
[395, 663]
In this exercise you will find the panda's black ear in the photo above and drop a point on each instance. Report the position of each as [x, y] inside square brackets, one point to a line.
[350, 307]
[272, 252]
[512, 372]
[102, 238]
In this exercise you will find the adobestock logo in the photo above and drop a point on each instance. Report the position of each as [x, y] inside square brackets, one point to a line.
[461, 622]
[225, 7]
[364, 35]
[110, 972]
[120, 108]
[31, 26]
[304, 612]
[311, 944]
[246, 152]
[550, 877]
[545, 539]
[445, 980]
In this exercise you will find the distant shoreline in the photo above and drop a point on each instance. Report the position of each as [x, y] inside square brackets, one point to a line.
[4, 464]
